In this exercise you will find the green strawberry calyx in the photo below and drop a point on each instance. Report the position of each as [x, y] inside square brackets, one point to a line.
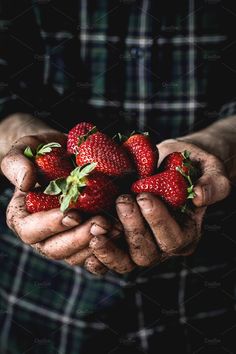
[191, 193]
[187, 162]
[42, 149]
[186, 154]
[71, 187]
[121, 138]
[83, 138]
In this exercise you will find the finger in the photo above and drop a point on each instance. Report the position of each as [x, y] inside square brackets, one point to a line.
[71, 218]
[79, 258]
[142, 247]
[110, 255]
[167, 232]
[189, 249]
[94, 266]
[115, 230]
[67, 243]
[210, 189]
[33, 228]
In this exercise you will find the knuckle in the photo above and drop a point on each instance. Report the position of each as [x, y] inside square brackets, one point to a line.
[226, 183]
[126, 268]
[71, 262]
[24, 237]
[157, 223]
[21, 232]
[142, 261]
[100, 220]
[52, 253]
[10, 219]
[213, 160]
[174, 246]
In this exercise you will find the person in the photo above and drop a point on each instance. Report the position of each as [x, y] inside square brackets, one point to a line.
[166, 67]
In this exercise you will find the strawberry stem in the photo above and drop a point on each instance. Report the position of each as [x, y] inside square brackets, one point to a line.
[84, 137]
[186, 154]
[120, 138]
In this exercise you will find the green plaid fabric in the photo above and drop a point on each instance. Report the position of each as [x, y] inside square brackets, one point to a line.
[164, 66]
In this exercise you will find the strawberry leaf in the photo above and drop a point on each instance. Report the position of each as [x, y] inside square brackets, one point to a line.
[87, 169]
[71, 195]
[45, 149]
[74, 192]
[65, 202]
[28, 152]
[56, 187]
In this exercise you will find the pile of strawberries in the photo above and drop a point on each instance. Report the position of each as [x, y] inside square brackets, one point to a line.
[89, 174]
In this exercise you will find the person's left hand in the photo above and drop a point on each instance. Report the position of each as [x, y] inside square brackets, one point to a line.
[152, 234]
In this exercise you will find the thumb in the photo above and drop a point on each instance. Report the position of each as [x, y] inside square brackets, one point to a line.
[210, 189]
[19, 170]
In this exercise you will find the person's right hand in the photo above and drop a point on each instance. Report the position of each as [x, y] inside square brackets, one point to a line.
[52, 233]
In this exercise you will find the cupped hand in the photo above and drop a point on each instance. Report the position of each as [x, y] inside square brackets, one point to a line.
[52, 233]
[151, 231]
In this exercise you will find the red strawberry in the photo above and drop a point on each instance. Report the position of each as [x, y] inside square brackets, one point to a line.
[178, 159]
[90, 193]
[170, 185]
[142, 153]
[38, 201]
[111, 159]
[52, 161]
[76, 134]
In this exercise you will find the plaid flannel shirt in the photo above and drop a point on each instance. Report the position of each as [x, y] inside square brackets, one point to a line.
[164, 66]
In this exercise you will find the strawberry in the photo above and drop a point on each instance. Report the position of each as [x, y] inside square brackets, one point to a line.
[110, 158]
[76, 135]
[170, 185]
[178, 159]
[90, 193]
[52, 161]
[142, 153]
[37, 201]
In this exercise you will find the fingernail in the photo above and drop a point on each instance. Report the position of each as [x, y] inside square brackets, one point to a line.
[69, 221]
[125, 209]
[145, 204]
[20, 177]
[97, 230]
